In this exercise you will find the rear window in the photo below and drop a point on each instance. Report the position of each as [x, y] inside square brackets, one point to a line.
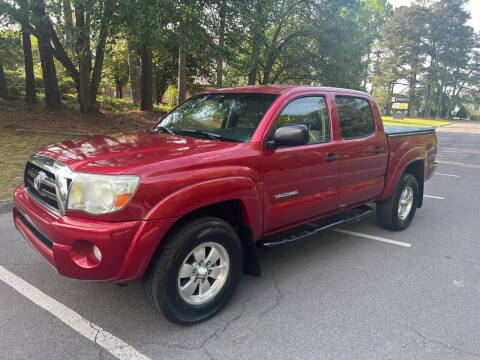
[356, 117]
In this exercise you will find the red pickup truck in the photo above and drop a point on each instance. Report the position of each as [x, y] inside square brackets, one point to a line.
[184, 205]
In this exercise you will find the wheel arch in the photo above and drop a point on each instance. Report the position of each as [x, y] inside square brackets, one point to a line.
[413, 162]
[235, 213]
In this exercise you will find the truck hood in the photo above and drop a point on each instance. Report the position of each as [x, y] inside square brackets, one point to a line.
[118, 153]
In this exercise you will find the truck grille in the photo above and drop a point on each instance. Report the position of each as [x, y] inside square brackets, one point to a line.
[40, 183]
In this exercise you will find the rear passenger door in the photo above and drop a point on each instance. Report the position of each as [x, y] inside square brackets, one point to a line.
[363, 155]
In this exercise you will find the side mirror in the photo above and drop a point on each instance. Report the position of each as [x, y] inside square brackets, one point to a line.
[291, 135]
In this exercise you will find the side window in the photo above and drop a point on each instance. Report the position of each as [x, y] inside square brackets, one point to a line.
[310, 111]
[356, 117]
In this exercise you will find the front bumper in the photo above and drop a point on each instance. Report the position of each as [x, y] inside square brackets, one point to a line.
[67, 242]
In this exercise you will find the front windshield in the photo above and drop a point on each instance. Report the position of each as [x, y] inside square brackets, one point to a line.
[223, 116]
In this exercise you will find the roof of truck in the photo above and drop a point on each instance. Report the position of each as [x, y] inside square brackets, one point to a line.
[279, 89]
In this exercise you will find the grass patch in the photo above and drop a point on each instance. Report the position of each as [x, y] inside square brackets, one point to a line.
[14, 126]
[388, 120]
[15, 150]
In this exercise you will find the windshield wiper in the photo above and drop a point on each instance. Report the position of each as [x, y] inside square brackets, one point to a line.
[165, 129]
[207, 134]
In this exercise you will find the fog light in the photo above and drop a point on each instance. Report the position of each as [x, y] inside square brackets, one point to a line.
[85, 254]
[97, 253]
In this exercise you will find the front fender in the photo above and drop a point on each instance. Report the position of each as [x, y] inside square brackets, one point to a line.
[397, 165]
[196, 196]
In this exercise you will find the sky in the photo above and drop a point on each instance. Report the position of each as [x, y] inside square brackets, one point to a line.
[473, 6]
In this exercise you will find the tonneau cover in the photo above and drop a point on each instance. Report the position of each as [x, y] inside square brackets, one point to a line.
[394, 131]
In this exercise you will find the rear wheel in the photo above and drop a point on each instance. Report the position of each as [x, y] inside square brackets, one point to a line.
[397, 212]
[196, 271]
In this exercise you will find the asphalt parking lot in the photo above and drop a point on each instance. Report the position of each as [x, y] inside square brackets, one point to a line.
[336, 296]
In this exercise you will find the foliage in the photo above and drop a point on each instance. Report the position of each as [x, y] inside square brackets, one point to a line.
[462, 113]
[10, 50]
[429, 48]
[361, 44]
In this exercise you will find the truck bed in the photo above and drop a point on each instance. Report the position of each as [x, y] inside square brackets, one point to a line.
[396, 131]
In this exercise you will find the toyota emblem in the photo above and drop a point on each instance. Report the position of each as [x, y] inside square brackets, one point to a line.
[39, 178]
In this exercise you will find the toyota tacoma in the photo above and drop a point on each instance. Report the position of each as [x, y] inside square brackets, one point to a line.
[184, 205]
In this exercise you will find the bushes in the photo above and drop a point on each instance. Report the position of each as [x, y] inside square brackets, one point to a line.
[462, 113]
[15, 82]
[171, 95]
[66, 86]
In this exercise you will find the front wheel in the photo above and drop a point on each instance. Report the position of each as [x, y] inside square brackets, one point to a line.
[196, 271]
[397, 212]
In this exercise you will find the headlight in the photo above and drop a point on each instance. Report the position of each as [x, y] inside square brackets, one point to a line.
[101, 194]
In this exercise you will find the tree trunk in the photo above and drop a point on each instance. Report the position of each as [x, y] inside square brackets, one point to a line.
[100, 53]
[3, 83]
[84, 60]
[182, 63]
[451, 103]
[391, 86]
[155, 87]
[367, 68]
[49, 72]
[67, 15]
[161, 86]
[428, 102]
[455, 95]
[256, 28]
[438, 115]
[428, 95]
[161, 92]
[118, 88]
[30, 92]
[132, 71]
[221, 45]
[146, 78]
[252, 75]
[411, 95]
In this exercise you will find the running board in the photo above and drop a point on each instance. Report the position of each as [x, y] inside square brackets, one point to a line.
[304, 231]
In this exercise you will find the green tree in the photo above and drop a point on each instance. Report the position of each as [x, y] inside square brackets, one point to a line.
[403, 34]
[10, 58]
[462, 113]
[116, 65]
[448, 40]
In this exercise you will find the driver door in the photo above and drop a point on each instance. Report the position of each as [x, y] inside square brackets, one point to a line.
[300, 182]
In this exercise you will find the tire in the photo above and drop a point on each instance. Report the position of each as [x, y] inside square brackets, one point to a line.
[388, 213]
[164, 281]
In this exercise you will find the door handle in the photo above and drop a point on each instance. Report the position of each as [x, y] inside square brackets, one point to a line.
[378, 150]
[331, 157]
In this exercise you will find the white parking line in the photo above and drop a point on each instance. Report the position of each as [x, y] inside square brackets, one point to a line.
[371, 237]
[473, 166]
[457, 176]
[95, 333]
[434, 197]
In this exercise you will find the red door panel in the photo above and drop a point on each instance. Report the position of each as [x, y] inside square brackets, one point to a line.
[363, 158]
[362, 170]
[299, 184]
